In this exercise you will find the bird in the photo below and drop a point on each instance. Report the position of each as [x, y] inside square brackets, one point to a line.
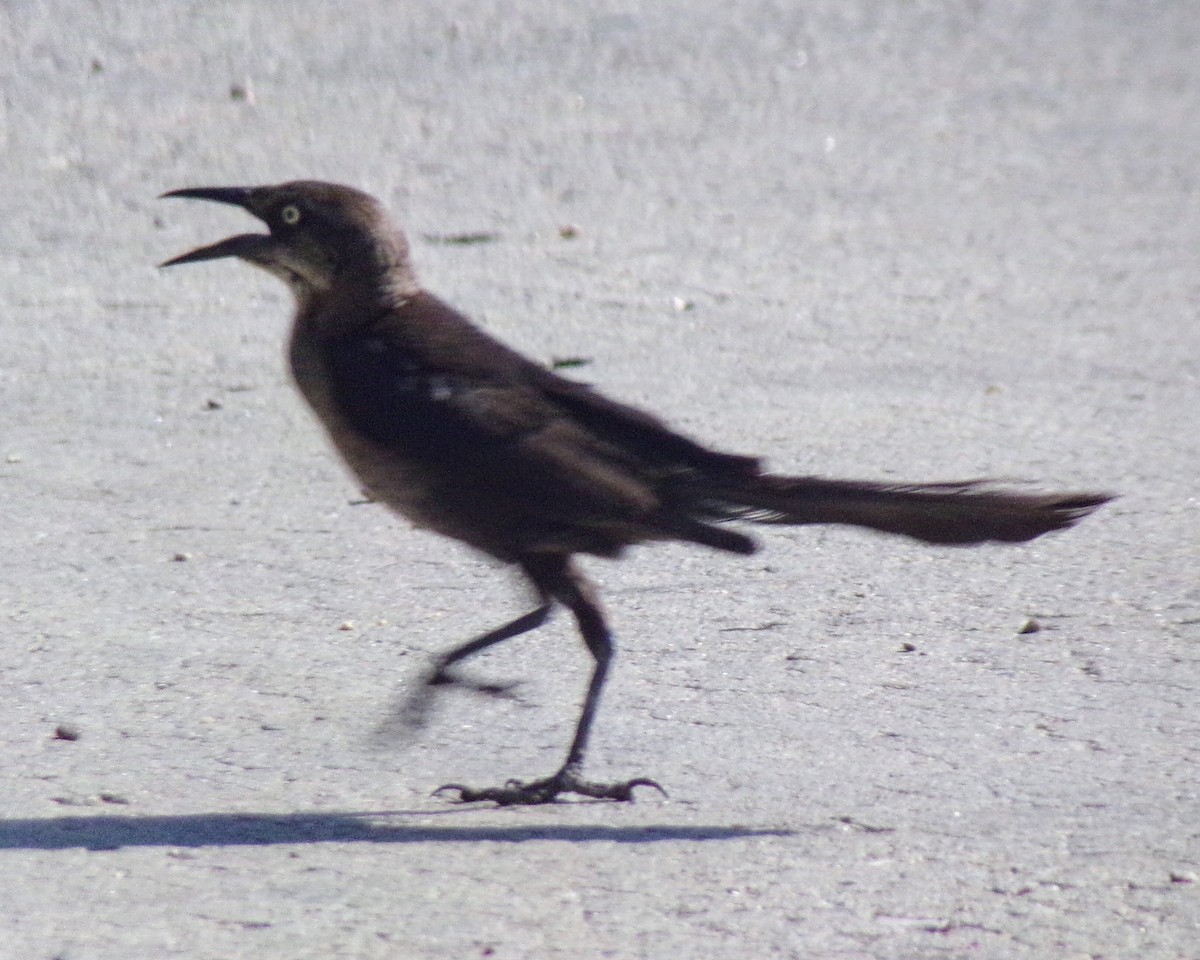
[459, 433]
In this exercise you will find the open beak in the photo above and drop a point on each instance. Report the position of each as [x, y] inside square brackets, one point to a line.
[247, 246]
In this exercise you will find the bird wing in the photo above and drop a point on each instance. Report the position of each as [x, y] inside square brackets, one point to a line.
[503, 434]
[639, 432]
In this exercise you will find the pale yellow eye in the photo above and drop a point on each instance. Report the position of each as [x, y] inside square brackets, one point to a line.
[290, 214]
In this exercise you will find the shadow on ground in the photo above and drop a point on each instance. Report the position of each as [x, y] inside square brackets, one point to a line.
[263, 829]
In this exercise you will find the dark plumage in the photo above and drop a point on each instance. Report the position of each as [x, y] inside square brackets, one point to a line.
[464, 436]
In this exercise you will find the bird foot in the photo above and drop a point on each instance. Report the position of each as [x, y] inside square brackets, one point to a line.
[501, 691]
[415, 710]
[567, 780]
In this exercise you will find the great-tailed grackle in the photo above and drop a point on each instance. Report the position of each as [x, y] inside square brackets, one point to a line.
[462, 435]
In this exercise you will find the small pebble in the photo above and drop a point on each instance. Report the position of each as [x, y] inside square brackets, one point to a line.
[67, 731]
[241, 92]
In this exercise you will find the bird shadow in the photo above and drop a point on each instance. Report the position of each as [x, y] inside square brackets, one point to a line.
[115, 832]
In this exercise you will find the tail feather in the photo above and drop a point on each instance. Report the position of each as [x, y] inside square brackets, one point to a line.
[969, 512]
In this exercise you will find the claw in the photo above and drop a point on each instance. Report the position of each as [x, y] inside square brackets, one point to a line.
[462, 789]
[645, 782]
[518, 792]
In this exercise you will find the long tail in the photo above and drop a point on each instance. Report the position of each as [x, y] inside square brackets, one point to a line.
[965, 513]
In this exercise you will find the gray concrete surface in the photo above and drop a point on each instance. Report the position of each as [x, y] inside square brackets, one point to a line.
[924, 240]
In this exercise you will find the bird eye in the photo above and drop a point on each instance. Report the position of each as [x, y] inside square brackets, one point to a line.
[290, 214]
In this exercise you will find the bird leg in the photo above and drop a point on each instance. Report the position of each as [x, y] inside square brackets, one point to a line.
[557, 578]
[416, 708]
